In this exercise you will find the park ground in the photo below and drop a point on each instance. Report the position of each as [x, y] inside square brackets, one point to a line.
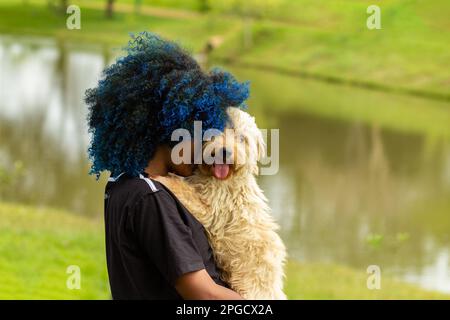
[326, 40]
[37, 245]
[321, 39]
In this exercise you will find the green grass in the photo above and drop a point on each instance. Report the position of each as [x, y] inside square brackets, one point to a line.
[38, 20]
[330, 38]
[37, 246]
[323, 38]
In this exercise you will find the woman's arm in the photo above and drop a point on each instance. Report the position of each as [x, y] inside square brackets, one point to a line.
[198, 285]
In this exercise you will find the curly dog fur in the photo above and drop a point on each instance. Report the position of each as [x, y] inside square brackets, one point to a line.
[236, 215]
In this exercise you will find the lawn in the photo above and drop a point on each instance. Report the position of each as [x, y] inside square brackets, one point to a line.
[325, 39]
[37, 19]
[38, 244]
[329, 39]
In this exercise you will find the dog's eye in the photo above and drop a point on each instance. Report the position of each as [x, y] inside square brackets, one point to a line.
[242, 138]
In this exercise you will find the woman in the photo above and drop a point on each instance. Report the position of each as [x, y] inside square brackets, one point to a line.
[155, 248]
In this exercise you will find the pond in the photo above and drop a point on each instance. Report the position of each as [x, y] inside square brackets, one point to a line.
[355, 187]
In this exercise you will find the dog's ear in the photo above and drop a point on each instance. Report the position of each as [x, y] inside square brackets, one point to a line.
[260, 150]
[261, 145]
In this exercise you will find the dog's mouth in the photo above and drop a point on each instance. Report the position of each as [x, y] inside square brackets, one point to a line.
[220, 171]
[222, 166]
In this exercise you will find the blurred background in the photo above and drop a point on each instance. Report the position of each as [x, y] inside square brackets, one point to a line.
[364, 119]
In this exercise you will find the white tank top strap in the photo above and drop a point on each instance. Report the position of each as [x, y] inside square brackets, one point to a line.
[149, 182]
[114, 179]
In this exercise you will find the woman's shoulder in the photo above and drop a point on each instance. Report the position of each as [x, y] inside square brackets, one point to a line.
[162, 191]
[130, 189]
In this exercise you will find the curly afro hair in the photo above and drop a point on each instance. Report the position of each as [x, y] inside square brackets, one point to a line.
[147, 94]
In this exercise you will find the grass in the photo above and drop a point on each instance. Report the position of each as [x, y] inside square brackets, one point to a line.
[322, 38]
[331, 40]
[38, 244]
[309, 34]
[37, 19]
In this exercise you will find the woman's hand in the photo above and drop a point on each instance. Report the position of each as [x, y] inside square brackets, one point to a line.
[198, 285]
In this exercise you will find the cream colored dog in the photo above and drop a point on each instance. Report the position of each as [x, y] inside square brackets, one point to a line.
[227, 200]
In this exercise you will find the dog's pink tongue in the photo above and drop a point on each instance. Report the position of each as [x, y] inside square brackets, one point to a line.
[220, 171]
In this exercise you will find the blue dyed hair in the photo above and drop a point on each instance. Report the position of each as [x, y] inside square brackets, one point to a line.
[147, 94]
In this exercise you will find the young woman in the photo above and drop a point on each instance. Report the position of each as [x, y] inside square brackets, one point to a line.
[155, 248]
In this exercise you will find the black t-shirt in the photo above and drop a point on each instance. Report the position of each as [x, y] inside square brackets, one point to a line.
[151, 240]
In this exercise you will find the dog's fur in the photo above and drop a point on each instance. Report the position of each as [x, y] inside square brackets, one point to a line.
[235, 214]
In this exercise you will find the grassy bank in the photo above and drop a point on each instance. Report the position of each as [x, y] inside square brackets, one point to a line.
[329, 39]
[37, 246]
[320, 39]
[37, 19]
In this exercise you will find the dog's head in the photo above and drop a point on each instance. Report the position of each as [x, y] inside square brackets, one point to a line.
[236, 151]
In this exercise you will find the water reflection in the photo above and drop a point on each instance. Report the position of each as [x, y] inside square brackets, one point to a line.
[360, 195]
[43, 123]
[346, 192]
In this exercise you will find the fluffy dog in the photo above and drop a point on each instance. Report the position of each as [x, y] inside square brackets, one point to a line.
[227, 200]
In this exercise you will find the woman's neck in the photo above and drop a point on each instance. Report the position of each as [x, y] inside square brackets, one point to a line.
[159, 164]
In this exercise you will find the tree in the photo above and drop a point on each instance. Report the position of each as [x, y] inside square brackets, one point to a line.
[204, 6]
[109, 8]
[249, 10]
[59, 6]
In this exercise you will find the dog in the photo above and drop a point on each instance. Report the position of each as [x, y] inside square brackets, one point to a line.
[226, 199]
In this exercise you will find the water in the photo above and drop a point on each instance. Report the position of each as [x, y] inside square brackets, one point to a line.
[348, 191]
